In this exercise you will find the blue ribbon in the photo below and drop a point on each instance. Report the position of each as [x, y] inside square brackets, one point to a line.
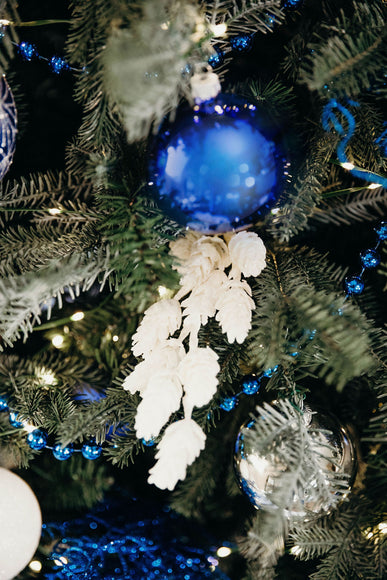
[329, 118]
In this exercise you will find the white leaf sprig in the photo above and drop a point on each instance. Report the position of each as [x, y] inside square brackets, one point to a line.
[175, 372]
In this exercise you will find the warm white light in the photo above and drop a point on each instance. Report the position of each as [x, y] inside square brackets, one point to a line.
[115, 338]
[35, 565]
[28, 427]
[223, 551]
[54, 211]
[61, 561]
[46, 376]
[374, 186]
[218, 29]
[21, 524]
[164, 26]
[347, 165]
[383, 527]
[57, 340]
[275, 210]
[77, 316]
[296, 550]
[162, 290]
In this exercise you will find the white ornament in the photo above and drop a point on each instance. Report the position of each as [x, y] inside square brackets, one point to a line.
[205, 86]
[21, 524]
[177, 372]
[179, 447]
[248, 253]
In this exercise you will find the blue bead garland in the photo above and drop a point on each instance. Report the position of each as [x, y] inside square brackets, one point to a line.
[37, 439]
[91, 450]
[3, 404]
[228, 403]
[63, 453]
[13, 419]
[242, 42]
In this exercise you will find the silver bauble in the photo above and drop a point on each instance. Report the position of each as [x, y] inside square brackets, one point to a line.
[259, 476]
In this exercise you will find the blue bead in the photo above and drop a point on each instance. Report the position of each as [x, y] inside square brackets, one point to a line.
[3, 404]
[353, 285]
[370, 258]
[27, 51]
[228, 403]
[63, 453]
[58, 64]
[270, 372]
[381, 231]
[91, 450]
[241, 43]
[37, 439]
[216, 167]
[251, 385]
[148, 443]
[216, 59]
[14, 421]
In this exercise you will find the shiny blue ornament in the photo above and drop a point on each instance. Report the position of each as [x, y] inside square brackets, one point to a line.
[91, 450]
[37, 439]
[228, 403]
[381, 231]
[13, 419]
[27, 51]
[3, 404]
[217, 166]
[270, 372]
[58, 64]
[370, 258]
[353, 285]
[7, 127]
[250, 385]
[241, 43]
[63, 453]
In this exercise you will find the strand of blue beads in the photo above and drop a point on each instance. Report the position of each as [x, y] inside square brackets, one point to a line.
[29, 53]
[37, 439]
[353, 285]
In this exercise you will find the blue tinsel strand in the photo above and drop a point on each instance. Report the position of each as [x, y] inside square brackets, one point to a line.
[250, 385]
[381, 231]
[58, 64]
[126, 538]
[216, 59]
[242, 42]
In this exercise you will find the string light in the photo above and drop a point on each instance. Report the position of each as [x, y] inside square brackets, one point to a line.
[35, 565]
[218, 29]
[57, 340]
[115, 338]
[77, 316]
[223, 551]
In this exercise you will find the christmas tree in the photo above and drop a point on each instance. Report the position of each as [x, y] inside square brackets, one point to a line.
[192, 308]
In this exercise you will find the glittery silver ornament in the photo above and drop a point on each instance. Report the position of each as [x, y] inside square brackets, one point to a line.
[7, 126]
[262, 476]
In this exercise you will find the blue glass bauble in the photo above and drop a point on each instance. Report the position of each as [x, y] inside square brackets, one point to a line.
[63, 453]
[91, 450]
[217, 166]
[37, 439]
[370, 258]
[7, 127]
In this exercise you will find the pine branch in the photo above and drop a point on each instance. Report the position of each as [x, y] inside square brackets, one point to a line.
[349, 59]
[248, 17]
[21, 297]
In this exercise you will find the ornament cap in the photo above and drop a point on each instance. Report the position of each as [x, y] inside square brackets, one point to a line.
[205, 85]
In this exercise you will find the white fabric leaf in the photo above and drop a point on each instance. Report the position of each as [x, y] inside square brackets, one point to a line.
[198, 373]
[179, 447]
[162, 397]
[202, 299]
[248, 253]
[181, 248]
[208, 253]
[234, 311]
[163, 359]
[160, 321]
